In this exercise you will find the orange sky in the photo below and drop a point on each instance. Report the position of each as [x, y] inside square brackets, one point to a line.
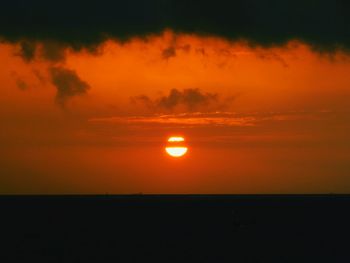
[259, 120]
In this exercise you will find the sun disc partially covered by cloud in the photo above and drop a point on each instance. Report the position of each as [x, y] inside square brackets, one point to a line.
[176, 147]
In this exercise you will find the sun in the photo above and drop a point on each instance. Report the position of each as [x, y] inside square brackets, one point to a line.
[176, 147]
[176, 139]
[176, 151]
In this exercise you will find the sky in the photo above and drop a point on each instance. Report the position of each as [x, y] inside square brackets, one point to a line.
[92, 91]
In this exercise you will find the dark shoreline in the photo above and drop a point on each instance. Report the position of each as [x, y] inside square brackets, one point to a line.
[175, 228]
[177, 196]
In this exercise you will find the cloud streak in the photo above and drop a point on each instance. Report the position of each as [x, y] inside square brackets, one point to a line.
[212, 119]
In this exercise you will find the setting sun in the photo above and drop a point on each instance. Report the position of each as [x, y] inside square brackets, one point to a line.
[175, 147]
[176, 151]
[176, 139]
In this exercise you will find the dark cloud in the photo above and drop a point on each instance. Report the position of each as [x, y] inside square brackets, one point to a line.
[169, 52]
[186, 48]
[270, 55]
[53, 51]
[68, 84]
[47, 49]
[22, 85]
[190, 98]
[27, 50]
[187, 100]
[324, 23]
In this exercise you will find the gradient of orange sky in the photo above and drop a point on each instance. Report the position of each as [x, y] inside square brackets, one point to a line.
[284, 127]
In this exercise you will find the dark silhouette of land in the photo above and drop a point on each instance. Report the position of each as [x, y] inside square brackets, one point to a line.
[191, 228]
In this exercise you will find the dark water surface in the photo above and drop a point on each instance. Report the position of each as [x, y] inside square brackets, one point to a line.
[190, 228]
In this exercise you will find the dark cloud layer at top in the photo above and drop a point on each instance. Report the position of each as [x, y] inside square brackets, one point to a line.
[325, 24]
[48, 49]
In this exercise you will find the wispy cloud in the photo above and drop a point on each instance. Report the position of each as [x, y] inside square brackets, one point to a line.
[208, 119]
